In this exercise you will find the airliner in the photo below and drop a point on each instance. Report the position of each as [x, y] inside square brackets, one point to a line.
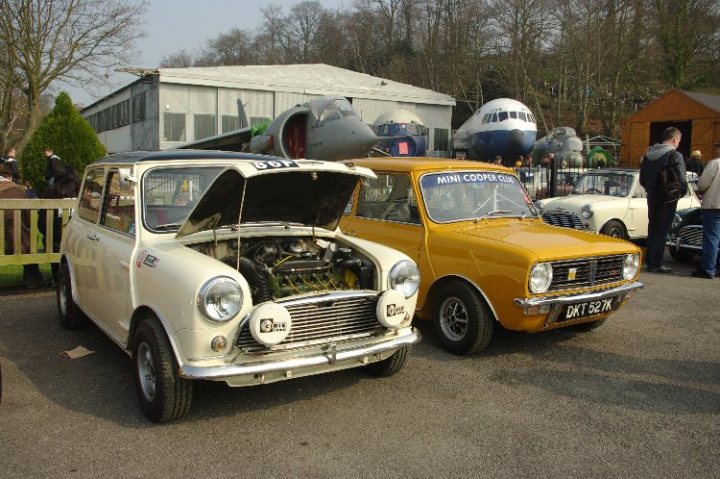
[503, 127]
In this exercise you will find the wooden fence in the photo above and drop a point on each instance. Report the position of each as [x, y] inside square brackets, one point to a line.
[57, 210]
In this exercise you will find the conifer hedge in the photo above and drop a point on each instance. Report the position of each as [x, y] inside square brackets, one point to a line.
[69, 135]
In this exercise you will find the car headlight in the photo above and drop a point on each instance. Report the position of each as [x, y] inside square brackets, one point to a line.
[220, 299]
[631, 265]
[586, 211]
[404, 277]
[676, 222]
[540, 277]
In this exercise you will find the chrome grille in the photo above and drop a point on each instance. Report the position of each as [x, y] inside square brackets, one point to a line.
[566, 220]
[586, 272]
[324, 319]
[691, 236]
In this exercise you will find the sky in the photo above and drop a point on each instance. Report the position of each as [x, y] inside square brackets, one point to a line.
[174, 25]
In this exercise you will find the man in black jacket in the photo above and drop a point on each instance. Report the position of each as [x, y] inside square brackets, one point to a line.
[52, 168]
[8, 163]
[660, 211]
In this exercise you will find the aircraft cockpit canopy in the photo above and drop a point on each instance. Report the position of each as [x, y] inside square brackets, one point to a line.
[329, 110]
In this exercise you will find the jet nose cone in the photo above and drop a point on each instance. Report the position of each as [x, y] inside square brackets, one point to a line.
[516, 137]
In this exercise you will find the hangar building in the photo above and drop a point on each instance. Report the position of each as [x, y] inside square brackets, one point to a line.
[696, 115]
[168, 107]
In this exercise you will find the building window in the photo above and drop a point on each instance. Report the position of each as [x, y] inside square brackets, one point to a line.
[441, 139]
[138, 107]
[205, 126]
[173, 126]
[230, 123]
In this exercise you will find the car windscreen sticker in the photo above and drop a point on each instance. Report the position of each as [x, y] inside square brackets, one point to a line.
[442, 179]
[272, 164]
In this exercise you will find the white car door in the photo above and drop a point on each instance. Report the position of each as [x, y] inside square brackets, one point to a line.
[116, 234]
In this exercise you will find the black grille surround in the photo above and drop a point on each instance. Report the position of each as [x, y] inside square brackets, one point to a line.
[323, 319]
[566, 220]
[580, 273]
[691, 236]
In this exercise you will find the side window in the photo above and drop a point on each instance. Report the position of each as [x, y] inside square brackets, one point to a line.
[119, 210]
[91, 195]
[513, 114]
[640, 191]
[389, 197]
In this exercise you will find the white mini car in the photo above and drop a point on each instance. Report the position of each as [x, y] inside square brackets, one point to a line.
[609, 201]
[230, 267]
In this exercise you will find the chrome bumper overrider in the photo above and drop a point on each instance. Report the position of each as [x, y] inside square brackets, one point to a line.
[554, 304]
[330, 357]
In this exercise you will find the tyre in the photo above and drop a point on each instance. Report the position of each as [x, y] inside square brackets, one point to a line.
[163, 394]
[462, 320]
[588, 326]
[391, 365]
[679, 255]
[71, 317]
[615, 229]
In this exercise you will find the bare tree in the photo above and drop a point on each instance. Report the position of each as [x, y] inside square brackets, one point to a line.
[181, 59]
[72, 40]
[232, 48]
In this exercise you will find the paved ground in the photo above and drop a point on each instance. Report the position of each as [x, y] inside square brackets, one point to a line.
[639, 397]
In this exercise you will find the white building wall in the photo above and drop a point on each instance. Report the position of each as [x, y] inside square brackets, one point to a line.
[285, 100]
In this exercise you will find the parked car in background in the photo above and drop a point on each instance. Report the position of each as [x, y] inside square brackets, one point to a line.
[609, 201]
[485, 255]
[229, 267]
[685, 239]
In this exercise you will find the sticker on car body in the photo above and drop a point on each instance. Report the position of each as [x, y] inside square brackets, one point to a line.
[441, 179]
[143, 258]
[272, 164]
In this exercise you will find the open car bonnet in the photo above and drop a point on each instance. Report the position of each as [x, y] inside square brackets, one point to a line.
[303, 195]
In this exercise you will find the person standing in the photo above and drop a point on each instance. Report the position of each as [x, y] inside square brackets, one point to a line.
[709, 184]
[9, 164]
[52, 168]
[694, 163]
[661, 211]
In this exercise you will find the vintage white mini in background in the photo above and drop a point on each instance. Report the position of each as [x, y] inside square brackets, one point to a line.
[609, 201]
[230, 267]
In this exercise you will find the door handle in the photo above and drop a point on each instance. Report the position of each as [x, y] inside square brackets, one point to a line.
[93, 237]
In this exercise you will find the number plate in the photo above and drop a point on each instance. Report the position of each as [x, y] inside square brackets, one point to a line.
[589, 308]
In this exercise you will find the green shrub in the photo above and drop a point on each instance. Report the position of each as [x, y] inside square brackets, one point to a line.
[69, 135]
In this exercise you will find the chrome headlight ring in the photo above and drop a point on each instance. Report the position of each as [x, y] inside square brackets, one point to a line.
[541, 276]
[220, 299]
[586, 211]
[631, 266]
[404, 277]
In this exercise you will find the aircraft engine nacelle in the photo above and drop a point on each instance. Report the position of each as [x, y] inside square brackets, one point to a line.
[285, 136]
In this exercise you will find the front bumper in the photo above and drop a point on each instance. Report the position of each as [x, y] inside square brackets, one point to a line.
[328, 360]
[553, 305]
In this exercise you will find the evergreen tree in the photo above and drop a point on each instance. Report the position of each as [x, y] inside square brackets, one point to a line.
[69, 135]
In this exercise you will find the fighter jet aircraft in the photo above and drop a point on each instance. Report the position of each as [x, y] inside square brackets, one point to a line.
[402, 133]
[502, 127]
[564, 144]
[325, 128]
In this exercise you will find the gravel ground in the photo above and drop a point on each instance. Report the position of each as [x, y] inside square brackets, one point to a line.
[638, 397]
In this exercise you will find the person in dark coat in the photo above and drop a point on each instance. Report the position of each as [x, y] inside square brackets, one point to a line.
[52, 168]
[66, 185]
[660, 211]
[9, 164]
[695, 163]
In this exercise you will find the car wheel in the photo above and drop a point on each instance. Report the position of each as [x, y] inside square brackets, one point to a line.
[163, 394]
[462, 320]
[680, 255]
[391, 365]
[588, 326]
[71, 317]
[615, 229]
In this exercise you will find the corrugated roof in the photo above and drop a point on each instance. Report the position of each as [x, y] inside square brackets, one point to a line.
[710, 101]
[311, 79]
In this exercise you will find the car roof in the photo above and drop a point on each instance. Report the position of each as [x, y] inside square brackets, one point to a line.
[422, 164]
[168, 155]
